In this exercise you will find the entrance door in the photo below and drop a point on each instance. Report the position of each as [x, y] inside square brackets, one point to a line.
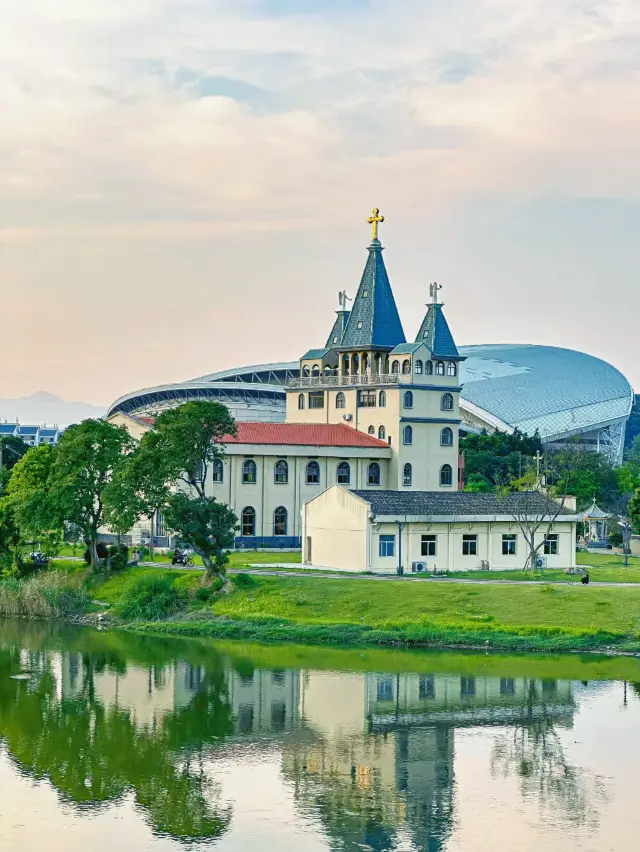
[307, 557]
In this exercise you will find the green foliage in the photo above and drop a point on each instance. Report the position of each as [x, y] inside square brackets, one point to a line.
[245, 581]
[45, 595]
[12, 449]
[496, 459]
[634, 511]
[584, 474]
[190, 438]
[632, 430]
[150, 597]
[205, 525]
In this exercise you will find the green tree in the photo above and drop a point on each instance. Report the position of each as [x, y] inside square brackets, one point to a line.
[493, 460]
[206, 525]
[51, 487]
[634, 511]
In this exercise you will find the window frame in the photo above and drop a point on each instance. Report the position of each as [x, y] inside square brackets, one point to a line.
[428, 368]
[509, 544]
[448, 431]
[382, 433]
[343, 468]
[341, 400]
[551, 545]
[417, 367]
[316, 397]
[367, 399]
[406, 367]
[251, 512]
[386, 543]
[277, 473]
[407, 475]
[371, 430]
[301, 402]
[440, 370]
[247, 465]
[447, 470]
[407, 399]
[372, 467]
[452, 369]
[280, 524]
[217, 471]
[429, 545]
[470, 545]
[382, 399]
[308, 477]
[395, 368]
[407, 432]
[447, 402]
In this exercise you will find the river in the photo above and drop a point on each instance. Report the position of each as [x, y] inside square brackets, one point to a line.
[111, 741]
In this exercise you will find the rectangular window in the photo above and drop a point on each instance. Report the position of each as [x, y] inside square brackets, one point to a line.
[469, 545]
[551, 545]
[316, 399]
[160, 525]
[508, 545]
[385, 689]
[428, 545]
[467, 686]
[367, 399]
[387, 545]
[427, 686]
[507, 686]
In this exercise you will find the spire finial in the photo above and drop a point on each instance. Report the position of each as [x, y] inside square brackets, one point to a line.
[433, 291]
[343, 299]
[374, 221]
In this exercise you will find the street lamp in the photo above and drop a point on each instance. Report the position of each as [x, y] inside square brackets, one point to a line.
[625, 526]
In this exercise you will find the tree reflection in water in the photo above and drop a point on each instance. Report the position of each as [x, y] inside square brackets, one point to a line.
[94, 755]
[533, 752]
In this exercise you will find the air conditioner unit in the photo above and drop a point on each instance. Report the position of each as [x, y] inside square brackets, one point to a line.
[347, 416]
[418, 567]
[541, 562]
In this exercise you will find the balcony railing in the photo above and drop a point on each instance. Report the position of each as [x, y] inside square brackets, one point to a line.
[333, 381]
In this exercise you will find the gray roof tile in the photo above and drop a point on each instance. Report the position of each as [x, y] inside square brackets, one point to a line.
[451, 503]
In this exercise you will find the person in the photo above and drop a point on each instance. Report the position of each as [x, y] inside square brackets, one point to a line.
[586, 579]
[176, 556]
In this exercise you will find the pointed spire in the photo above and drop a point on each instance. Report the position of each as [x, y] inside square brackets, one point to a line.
[342, 317]
[434, 331]
[374, 320]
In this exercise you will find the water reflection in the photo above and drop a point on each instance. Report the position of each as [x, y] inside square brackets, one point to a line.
[370, 757]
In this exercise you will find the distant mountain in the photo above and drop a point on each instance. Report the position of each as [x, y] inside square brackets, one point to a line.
[43, 407]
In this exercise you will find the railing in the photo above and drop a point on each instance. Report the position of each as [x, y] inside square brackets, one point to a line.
[333, 381]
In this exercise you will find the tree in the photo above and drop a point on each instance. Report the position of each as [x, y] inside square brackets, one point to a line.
[491, 460]
[51, 487]
[634, 511]
[12, 449]
[206, 525]
[191, 438]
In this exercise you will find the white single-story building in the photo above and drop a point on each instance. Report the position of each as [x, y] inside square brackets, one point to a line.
[389, 532]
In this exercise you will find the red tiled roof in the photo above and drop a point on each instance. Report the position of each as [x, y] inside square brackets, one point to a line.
[304, 434]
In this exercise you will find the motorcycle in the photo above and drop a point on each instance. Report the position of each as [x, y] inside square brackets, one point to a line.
[39, 559]
[182, 557]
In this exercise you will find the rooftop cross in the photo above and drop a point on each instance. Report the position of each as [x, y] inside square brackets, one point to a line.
[342, 300]
[433, 291]
[375, 220]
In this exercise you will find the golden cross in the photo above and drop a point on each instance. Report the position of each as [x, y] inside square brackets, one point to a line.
[375, 220]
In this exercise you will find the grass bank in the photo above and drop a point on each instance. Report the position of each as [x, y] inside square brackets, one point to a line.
[47, 595]
[346, 612]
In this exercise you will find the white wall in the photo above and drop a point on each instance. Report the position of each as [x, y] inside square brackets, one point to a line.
[334, 533]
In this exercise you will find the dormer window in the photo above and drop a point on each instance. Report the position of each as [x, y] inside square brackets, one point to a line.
[365, 293]
[359, 324]
[335, 339]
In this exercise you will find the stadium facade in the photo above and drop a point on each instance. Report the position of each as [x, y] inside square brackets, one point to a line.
[559, 392]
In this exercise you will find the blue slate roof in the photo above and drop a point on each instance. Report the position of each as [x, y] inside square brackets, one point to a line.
[48, 433]
[7, 428]
[28, 430]
[339, 326]
[312, 354]
[406, 349]
[374, 320]
[436, 334]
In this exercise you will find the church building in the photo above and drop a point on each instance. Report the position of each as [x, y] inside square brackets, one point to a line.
[364, 473]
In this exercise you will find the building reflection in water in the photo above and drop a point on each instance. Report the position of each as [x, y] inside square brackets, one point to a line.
[369, 755]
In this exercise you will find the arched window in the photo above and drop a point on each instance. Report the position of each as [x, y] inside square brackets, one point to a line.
[429, 368]
[452, 369]
[418, 367]
[447, 402]
[382, 433]
[407, 436]
[446, 475]
[315, 371]
[343, 473]
[300, 401]
[408, 399]
[305, 372]
[446, 437]
[372, 430]
[406, 367]
[340, 400]
[313, 473]
[356, 364]
[373, 474]
[345, 362]
[382, 399]
[249, 472]
[395, 367]
[281, 472]
[407, 474]
[248, 521]
[280, 521]
[218, 470]
[440, 368]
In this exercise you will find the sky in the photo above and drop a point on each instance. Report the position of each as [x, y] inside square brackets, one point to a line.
[184, 184]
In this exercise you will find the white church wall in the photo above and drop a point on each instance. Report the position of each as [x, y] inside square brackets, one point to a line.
[335, 531]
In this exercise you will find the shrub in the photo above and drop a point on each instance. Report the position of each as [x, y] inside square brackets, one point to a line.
[46, 595]
[118, 555]
[245, 581]
[150, 598]
[101, 549]
[205, 594]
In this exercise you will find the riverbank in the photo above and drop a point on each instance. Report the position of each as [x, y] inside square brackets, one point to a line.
[347, 612]
[340, 611]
